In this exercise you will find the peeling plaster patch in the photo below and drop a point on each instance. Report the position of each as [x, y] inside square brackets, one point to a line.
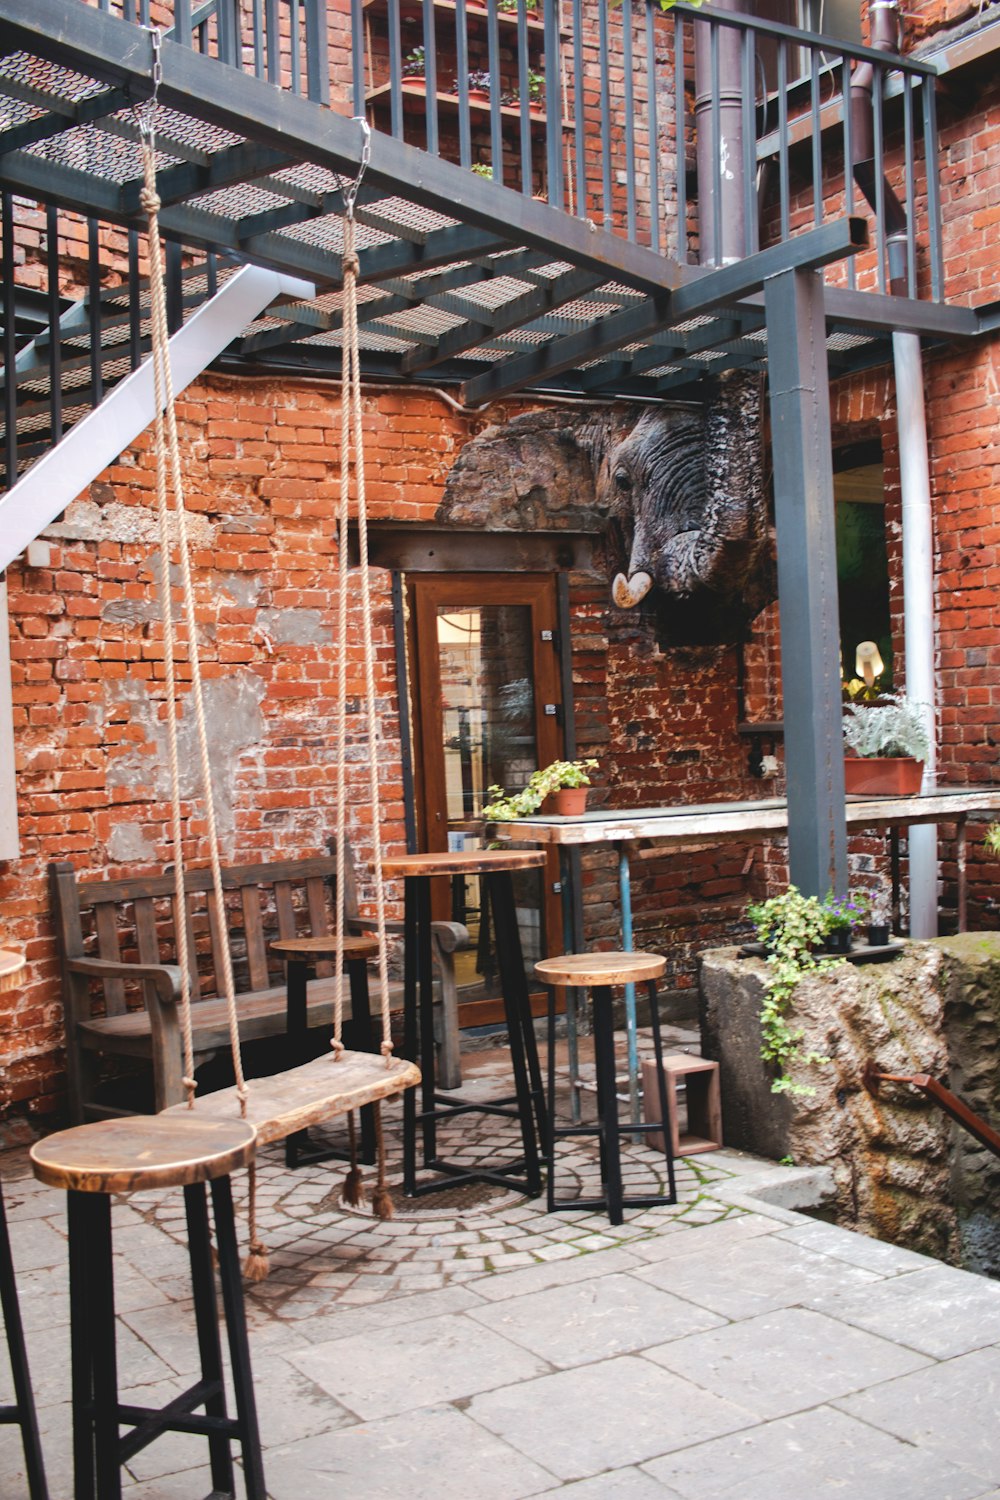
[295, 627]
[87, 522]
[235, 724]
[131, 611]
[242, 588]
[128, 844]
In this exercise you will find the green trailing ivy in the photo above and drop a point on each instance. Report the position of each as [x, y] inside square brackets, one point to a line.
[790, 926]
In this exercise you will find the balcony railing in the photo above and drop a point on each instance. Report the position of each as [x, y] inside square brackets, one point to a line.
[705, 136]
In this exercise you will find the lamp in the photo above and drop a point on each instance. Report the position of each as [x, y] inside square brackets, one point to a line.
[868, 663]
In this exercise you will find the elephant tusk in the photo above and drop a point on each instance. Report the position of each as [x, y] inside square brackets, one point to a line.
[628, 592]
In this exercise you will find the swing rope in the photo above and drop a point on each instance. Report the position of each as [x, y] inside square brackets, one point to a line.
[352, 446]
[168, 464]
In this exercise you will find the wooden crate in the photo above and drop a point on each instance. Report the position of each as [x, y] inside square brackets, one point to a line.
[703, 1125]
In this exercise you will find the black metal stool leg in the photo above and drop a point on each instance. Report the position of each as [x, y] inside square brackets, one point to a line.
[96, 1432]
[209, 1344]
[239, 1344]
[517, 1008]
[607, 1100]
[297, 1028]
[363, 1039]
[23, 1413]
[550, 1135]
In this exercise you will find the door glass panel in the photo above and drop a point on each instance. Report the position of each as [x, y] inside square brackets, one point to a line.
[488, 730]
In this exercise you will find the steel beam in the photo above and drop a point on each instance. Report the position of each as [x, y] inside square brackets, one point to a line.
[702, 294]
[807, 582]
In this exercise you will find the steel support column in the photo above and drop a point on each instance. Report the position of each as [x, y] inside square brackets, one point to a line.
[807, 581]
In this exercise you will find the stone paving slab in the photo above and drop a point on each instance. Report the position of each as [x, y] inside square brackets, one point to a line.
[479, 1347]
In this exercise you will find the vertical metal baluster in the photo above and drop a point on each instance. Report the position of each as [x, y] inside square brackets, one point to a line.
[626, 15]
[317, 58]
[257, 24]
[496, 118]
[175, 286]
[680, 137]
[229, 37]
[395, 72]
[272, 29]
[54, 313]
[553, 103]
[94, 310]
[295, 40]
[606, 206]
[462, 68]
[128, 10]
[182, 22]
[653, 131]
[911, 187]
[144, 12]
[357, 56]
[9, 342]
[935, 245]
[716, 256]
[845, 105]
[211, 273]
[783, 137]
[817, 143]
[134, 302]
[431, 78]
[748, 84]
[878, 84]
[579, 140]
[527, 183]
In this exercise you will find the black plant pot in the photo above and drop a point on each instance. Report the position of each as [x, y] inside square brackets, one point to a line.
[839, 941]
[878, 934]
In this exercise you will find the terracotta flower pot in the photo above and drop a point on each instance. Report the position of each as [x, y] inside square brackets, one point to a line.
[568, 802]
[893, 776]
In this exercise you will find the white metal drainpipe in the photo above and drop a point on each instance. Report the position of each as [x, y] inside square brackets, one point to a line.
[918, 608]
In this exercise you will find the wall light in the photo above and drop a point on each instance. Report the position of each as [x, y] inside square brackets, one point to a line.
[868, 663]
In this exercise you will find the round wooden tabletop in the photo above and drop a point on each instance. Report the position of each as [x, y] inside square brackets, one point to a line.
[584, 969]
[135, 1152]
[11, 966]
[463, 862]
[325, 947]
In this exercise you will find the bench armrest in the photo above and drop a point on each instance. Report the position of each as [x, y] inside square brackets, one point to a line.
[166, 977]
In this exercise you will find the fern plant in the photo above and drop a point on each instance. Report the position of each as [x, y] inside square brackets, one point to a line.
[895, 726]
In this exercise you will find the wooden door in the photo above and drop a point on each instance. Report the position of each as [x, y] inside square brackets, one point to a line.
[486, 709]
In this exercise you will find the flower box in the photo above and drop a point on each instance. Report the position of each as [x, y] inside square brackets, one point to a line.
[888, 775]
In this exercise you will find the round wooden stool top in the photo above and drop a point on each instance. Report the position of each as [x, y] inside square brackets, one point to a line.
[464, 862]
[585, 969]
[325, 947]
[11, 965]
[136, 1152]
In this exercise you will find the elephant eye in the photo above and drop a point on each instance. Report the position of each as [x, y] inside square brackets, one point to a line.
[623, 481]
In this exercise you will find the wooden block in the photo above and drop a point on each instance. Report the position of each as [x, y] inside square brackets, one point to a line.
[703, 1124]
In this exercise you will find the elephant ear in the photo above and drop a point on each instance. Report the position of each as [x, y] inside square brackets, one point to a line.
[532, 474]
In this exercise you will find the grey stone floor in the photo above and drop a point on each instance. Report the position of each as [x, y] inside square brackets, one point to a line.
[487, 1350]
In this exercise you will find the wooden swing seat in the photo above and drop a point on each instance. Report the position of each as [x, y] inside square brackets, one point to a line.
[320, 1090]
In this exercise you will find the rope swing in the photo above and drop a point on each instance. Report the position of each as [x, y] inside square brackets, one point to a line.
[282, 1103]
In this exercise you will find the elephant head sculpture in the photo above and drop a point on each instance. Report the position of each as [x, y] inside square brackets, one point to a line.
[677, 492]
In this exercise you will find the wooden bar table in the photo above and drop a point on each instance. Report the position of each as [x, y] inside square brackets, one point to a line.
[707, 824]
[527, 1104]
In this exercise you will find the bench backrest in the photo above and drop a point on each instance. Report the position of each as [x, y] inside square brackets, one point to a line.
[134, 919]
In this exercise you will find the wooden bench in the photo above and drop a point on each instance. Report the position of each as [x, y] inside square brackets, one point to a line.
[121, 983]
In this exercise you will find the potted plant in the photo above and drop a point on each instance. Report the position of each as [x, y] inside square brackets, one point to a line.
[880, 918]
[413, 69]
[482, 169]
[479, 87]
[555, 781]
[886, 744]
[842, 914]
[792, 928]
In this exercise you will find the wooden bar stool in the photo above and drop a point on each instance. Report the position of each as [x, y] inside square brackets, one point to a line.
[527, 1104]
[301, 955]
[129, 1155]
[599, 973]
